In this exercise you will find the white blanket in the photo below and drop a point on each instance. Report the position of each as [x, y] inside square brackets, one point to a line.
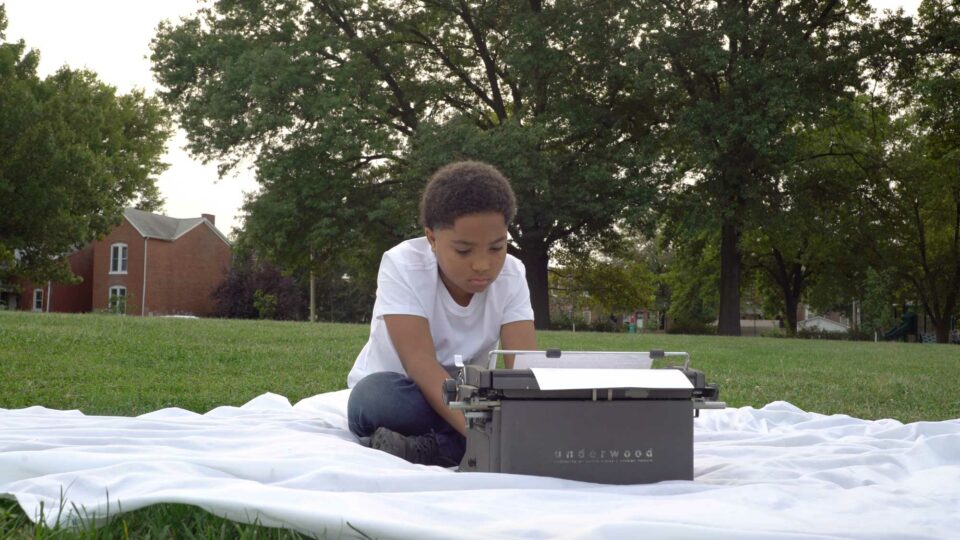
[760, 473]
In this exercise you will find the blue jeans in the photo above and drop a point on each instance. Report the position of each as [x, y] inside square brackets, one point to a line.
[393, 400]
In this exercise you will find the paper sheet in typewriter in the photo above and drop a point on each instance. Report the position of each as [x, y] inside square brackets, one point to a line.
[574, 378]
[595, 360]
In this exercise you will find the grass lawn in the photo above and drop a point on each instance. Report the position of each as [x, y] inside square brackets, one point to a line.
[103, 364]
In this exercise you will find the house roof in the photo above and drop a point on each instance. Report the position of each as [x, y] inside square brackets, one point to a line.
[165, 228]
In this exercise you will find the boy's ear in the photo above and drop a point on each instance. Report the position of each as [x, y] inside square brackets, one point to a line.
[428, 232]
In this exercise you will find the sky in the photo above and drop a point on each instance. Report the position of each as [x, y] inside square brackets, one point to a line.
[112, 38]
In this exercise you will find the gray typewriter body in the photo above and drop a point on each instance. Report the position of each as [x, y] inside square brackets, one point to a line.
[603, 435]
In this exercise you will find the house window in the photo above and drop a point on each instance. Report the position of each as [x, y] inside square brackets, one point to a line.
[38, 299]
[117, 302]
[118, 259]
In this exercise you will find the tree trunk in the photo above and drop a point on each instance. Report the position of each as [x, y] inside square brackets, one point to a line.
[943, 329]
[536, 259]
[792, 280]
[313, 297]
[728, 323]
[790, 302]
[313, 290]
[942, 322]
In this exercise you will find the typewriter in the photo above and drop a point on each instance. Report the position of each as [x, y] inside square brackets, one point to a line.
[603, 417]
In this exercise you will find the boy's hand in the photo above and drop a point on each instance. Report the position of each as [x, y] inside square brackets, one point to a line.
[411, 338]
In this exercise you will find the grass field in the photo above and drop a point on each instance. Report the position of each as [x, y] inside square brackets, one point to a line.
[127, 366]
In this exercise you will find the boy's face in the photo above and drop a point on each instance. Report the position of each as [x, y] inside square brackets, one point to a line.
[471, 254]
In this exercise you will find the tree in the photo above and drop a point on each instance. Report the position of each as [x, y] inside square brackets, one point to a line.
[692, 279]
[73, 154]
[932, 72]
[348, 105]
[877, 302]
[621, 283]
[737, 79]
[922, 199]
[907, 146]
[920, 208]
[807, 220]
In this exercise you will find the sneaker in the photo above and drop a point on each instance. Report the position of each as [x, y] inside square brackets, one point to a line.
[420, 449]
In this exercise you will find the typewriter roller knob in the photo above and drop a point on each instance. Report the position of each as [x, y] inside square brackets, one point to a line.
[450, 388]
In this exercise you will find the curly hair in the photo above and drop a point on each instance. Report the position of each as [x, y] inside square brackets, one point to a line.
[462, 188]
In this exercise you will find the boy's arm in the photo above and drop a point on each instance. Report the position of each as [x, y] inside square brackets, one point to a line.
[411, 338]
[517, 336]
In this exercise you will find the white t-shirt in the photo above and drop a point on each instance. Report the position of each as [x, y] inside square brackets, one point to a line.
[409, 284]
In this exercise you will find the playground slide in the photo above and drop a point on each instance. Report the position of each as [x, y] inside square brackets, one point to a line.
[908, 325]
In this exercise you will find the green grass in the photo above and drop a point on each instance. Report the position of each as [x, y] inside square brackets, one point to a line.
[111, 365]
[105, 364]
[157, 521]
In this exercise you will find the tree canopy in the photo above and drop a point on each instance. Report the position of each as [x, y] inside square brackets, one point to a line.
[347, 106]
[73, 154]
[905, 144]
[739, 80]
[809, 141]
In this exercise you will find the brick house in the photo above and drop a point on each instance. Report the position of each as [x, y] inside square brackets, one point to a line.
[148, 265]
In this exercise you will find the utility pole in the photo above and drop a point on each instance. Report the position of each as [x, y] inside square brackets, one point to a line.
[313, 291]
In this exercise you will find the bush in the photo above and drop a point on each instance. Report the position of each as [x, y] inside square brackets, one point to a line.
[691, 328]
[259, 290]
[774, 333]
[563, 321]
[605, 325]
[861, 335]
[265, 304]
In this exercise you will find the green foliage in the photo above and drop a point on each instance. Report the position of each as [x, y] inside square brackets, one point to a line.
[73, 154]
[621, 283]
[932, 75]
[806, 222]
[919, 208]
[693, 281]
[265, 304]
[908, 155]
[876, 308]
[344, 290]
[736, 82]
[344, 297]
[349, 106]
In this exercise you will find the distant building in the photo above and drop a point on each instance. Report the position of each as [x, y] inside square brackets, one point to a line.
[830, 321]
[822, 324]
[148, 265]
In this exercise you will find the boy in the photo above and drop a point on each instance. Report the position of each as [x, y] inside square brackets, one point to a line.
[453, 292]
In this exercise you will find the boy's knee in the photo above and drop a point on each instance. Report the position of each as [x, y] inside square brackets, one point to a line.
[376, 385]
[368, 397]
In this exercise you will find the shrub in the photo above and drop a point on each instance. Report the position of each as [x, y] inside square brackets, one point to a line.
[255, 289]
[265, 304]
[605, 325]
[563, 321]
[691, 328]
[774, 333]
